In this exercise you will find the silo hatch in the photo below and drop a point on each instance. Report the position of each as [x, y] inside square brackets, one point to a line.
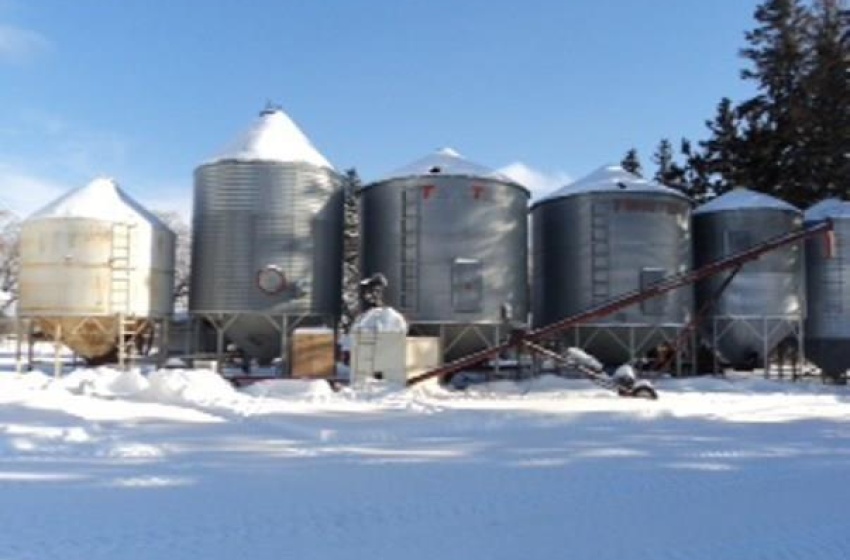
[271, 280]
[467, 285]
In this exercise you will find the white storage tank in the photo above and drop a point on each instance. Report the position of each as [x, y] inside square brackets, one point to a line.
[90, 260]
[378, 346]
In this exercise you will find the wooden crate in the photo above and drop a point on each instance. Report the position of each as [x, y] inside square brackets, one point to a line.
[423, 353]
[313, 355]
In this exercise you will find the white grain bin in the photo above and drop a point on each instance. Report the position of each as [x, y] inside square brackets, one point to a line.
[95, 263]
[378, 346]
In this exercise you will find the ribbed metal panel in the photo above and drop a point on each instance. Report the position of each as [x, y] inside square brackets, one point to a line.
[251, 217]
[828, 294]
[592, 246]
[453, 248]
[757, 309]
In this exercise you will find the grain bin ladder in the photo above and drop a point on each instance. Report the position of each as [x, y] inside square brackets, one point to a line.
[625, 300]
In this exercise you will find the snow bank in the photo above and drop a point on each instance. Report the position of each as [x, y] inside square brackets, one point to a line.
[291, 389]
[104, 382]
[192, 387]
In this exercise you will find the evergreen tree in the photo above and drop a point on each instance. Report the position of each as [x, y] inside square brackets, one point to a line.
[668, 171]
[828, 92]
[723, 153]
[695, 176]
[771, 140]
[351, 248]
[663, 160]
[631, 163]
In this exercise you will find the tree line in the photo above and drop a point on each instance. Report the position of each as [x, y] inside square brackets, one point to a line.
[791, 139]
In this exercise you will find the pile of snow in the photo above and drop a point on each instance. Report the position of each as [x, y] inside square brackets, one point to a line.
[199, 387]
[292, 389]
[104, 382]
[380, 319]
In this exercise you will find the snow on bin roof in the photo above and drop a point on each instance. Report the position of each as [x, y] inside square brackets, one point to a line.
[828, 208]
[609, 178]
[380, 319]
[740, 198]
[101, 199]
[446, 162]
[273, 137]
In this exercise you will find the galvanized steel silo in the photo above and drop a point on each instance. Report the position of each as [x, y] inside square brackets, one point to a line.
[451, 237]
[95, 267]
[267, 246]
[763, 304]
[605, 235]
[827, 326]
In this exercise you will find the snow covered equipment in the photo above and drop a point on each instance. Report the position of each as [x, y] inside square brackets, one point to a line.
[624, 382]
[372, 291]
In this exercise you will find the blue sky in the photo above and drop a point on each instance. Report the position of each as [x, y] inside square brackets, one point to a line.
[144, 90]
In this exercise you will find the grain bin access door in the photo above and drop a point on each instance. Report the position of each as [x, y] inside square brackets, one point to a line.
[467, 286]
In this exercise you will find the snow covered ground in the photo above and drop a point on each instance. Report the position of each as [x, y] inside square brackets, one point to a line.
[177, 464]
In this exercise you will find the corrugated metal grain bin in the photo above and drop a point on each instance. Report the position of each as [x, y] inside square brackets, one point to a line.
[268, 226]
[764, 302]
[827, 326]
[605, 235]
[451, 238]
[89, 257]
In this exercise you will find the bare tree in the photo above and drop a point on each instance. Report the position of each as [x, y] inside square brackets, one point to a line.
[182, 257]
[10, 261]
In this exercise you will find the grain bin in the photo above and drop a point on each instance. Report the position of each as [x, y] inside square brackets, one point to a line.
[763, 304]
[827, 326]
[95, 264]
[451, 237]
[602, 236]
[267, 246]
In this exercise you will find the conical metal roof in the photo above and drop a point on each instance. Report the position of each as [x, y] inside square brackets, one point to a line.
[740, 198]
[273, 137]
[827, 208]
[609, 178]
[446, 162]
[101, 199]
